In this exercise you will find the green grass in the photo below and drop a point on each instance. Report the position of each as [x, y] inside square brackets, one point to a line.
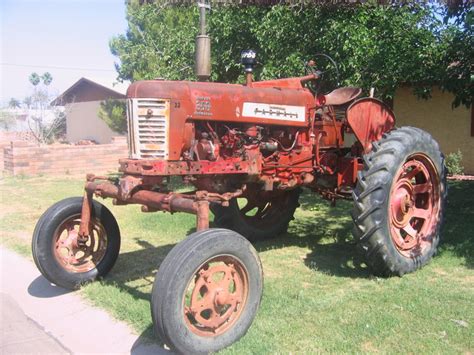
[318, 297]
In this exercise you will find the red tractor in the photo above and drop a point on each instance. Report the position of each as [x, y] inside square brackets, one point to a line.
[248, 150]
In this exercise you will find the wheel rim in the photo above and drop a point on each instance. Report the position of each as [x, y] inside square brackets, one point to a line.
[216, 295]
[260, 211]
[76, 254]
[414, 205]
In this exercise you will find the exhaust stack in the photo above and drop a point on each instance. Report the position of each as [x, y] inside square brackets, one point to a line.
[203, 45]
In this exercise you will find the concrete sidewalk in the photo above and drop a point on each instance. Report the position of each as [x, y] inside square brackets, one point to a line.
[37, 317]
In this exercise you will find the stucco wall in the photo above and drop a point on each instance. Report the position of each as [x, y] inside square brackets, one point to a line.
[83, 123]
[450, 127]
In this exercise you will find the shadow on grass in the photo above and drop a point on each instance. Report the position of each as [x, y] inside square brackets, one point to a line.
[458, 231]
[327, 236]
[326, 232]
[333, 251]
[140, 264]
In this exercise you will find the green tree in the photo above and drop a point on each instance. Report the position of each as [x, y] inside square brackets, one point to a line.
[113, 113]
[47, 78]
[159, 43]
[458, 76]
[375, 46]
[34, 79]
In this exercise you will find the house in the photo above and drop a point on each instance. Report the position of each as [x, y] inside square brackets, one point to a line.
[453, 128]
[82, 102]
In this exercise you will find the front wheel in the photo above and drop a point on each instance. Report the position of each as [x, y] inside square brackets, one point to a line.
[206, 292]
[399, 202]
[62, 257]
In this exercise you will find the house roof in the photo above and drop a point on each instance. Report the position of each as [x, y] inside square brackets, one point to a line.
[86, 89]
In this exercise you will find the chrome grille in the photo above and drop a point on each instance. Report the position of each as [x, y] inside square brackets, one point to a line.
[148, 125]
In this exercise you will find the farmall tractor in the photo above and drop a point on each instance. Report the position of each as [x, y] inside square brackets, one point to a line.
[248, 150]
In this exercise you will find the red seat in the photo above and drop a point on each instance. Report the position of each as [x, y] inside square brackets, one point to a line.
[342, 96]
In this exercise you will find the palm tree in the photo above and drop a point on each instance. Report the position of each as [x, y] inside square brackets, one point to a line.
[34, 79]
[14, 103]
[28, 102]
[47, 78]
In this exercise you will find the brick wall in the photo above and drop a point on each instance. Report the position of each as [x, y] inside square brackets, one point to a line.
[7, 137]
[27, 158]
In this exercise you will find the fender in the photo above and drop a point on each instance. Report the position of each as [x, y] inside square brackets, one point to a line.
[369, 119]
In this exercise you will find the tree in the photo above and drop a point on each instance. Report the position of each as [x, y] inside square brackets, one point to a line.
[28, 102]
[38, 105]
[113, 113]
[458, 76]
[34, 79]
[7, 120]
[158, 43]
[47, 78]
[375, 46]
[14, 103]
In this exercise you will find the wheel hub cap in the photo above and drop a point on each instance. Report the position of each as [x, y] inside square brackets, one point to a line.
[76, 253]
[216, 296]
[402, 203]
[414, 205]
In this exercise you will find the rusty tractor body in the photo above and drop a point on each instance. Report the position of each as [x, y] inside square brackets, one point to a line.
[259, 143]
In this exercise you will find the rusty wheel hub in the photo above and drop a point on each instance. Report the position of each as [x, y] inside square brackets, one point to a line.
[76, 253]
[402, 203]
[216, 296]
[414, 205]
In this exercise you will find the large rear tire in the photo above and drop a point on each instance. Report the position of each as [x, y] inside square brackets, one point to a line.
[399, 202]
[258, 216]
[207, 292]
[60, 255]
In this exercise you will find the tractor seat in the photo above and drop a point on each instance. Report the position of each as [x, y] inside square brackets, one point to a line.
[342, 96]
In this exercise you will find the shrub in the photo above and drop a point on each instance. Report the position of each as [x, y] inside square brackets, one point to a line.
[113, 113]
[453, 163]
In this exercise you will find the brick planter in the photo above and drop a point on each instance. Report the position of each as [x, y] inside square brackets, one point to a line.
[26, 158]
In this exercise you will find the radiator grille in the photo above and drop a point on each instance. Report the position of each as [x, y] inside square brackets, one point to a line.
[148, 126]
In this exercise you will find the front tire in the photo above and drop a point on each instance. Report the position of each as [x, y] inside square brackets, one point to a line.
[206, 292]
[399, 202]
[61, 257]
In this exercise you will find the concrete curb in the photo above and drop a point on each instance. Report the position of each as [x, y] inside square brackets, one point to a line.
[63, 315]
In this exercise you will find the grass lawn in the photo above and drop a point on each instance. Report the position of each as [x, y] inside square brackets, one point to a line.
[318, 296]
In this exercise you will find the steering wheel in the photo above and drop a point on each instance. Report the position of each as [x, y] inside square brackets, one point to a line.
[327, 81]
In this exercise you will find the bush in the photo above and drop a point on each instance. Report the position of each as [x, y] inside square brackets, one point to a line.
[113, 113]
[453, 163]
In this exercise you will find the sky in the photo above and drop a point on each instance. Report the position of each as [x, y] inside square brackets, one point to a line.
[68, 38]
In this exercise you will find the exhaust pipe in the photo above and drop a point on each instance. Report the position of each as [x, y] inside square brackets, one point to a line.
[203, 45]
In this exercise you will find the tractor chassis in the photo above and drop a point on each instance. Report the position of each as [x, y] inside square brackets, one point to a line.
[137, 189]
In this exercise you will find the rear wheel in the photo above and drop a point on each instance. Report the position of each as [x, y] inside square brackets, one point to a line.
[62, 256]
[399, 202]
[258, 215]
[207, 292]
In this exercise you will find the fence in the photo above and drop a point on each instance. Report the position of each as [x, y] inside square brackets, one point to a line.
[22, 157]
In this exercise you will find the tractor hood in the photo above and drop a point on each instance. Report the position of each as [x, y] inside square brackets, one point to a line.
[260, 103]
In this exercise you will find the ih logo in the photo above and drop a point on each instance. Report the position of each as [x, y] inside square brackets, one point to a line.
[274, 112]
